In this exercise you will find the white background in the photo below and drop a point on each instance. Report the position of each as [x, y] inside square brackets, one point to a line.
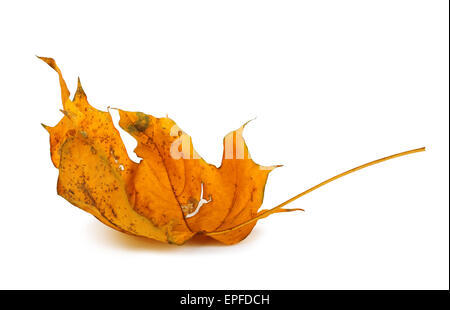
[333, 84]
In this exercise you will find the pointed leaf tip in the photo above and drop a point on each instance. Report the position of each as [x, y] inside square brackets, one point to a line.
[49, 61]
[64, 90]
[65, 113]
[247, 122]
[80, 91]
[46, 127]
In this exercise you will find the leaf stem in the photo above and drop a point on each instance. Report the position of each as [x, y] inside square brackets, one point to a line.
[274, 210]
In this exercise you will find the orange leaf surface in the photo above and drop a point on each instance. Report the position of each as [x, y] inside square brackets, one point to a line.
[172, 193]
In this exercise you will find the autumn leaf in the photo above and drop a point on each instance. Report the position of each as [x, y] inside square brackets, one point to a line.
[172, 194]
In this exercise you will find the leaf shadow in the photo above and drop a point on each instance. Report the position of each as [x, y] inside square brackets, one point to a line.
[112, 238]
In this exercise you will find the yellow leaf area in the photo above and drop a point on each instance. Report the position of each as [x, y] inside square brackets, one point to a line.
[172, 193]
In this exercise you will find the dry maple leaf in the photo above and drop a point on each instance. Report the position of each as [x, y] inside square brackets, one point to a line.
[172, 193]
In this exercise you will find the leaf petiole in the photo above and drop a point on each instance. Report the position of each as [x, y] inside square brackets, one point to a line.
[276, 209]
